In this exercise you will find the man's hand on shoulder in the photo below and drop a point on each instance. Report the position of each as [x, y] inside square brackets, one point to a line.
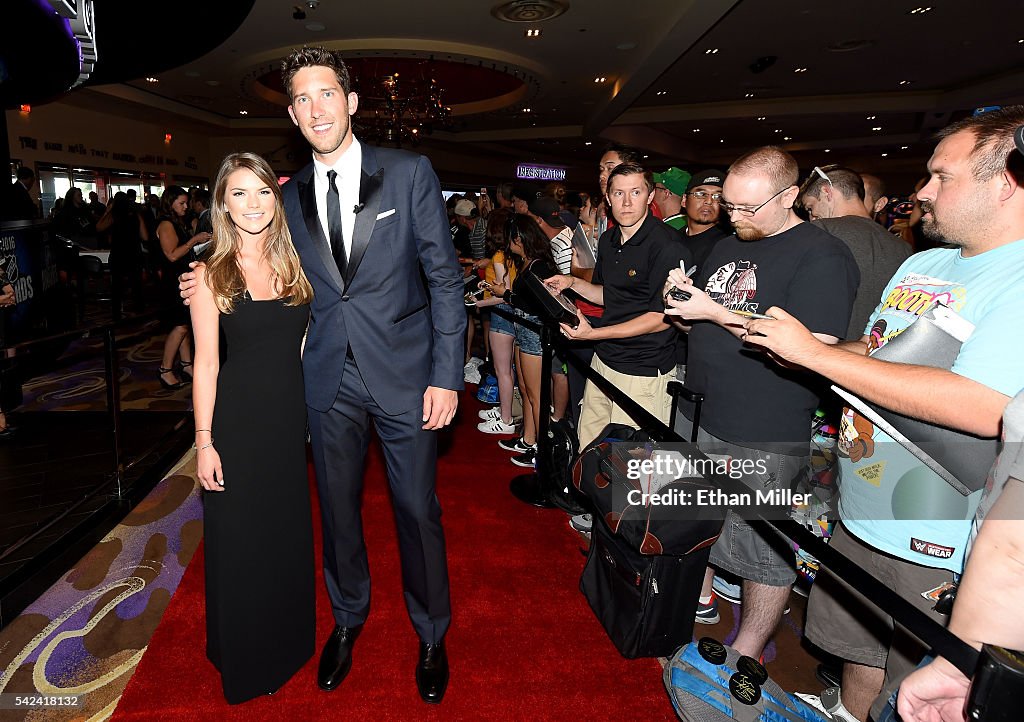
[439, 407]
[187, 282]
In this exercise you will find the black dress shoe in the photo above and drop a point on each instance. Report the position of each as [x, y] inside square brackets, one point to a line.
[336, 658]
[432, 672]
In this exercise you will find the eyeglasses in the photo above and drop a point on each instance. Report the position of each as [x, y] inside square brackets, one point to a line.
[731, 208]
[702, 195]
[660, 188]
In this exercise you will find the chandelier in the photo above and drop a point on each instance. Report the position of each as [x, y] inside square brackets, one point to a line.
[397, 110]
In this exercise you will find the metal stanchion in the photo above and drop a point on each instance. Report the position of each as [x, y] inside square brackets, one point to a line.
[111, 370]
[535, 488]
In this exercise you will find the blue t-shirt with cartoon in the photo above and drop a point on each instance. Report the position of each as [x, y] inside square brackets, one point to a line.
[888, 498]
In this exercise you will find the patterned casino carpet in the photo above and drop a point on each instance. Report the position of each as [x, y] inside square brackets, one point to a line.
[87, 633]
[81, 386]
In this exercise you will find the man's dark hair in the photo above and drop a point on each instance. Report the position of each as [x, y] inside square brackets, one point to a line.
[202, 196]
[25, 173]
[315, 56]
[847, 182]
[627, 154]
[993, 150]
[631, 169]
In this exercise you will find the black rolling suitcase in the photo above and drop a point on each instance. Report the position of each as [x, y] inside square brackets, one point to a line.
[646, 604]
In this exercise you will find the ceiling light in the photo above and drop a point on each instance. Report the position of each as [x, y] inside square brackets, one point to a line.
[904, 147]
[877, 127]
[696, 130]
[661, 92]
[586, 142]
[243, 112]
[167, 137]
[871, 117]
[711, 51]
[904, 82]
[748, 95]
[533, 32]
[152, 80]
[527, 110]
[920, 11]
[787, 138]
[600, 79]
[778, 130]
[722, 140]
[1021, 41]
[761, 117]
[646, 157]
[885, 155]
[799, 70]
[828, 150]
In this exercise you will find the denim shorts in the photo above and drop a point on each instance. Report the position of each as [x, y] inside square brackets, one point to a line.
[527, 339]
[500, 324]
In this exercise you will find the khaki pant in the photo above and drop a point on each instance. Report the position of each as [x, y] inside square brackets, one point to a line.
[650, 392]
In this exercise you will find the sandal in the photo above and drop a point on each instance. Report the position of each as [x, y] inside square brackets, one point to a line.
[183, 369]
[165, 384]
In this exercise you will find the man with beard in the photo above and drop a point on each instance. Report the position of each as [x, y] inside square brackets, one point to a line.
[753, 414]
[973, 200]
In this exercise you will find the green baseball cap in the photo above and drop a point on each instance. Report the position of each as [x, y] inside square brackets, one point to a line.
[674, 179]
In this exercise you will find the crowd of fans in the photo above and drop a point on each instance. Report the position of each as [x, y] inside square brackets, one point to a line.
[791, 282]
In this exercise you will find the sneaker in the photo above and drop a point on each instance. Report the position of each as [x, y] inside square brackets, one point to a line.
[582, 522]
[829, 703]
[728, 592]
[492, 413]
[528, 458]
[708, 613]
[517, 445]
[496, 426]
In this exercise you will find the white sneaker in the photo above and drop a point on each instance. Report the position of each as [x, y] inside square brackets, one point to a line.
[496, 426]
[829, 703]
[492, 413]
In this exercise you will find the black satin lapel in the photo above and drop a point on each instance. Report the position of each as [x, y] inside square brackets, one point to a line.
[366, 219]
[307, 196]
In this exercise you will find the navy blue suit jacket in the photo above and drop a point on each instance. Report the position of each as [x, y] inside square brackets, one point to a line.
[400, 305]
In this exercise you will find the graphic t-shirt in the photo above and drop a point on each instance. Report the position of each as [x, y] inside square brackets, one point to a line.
[888, 498]
[750, 400]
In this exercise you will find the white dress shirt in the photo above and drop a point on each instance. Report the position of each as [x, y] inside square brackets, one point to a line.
[349, 169]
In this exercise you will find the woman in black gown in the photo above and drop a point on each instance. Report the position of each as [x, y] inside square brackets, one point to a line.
[250, 418]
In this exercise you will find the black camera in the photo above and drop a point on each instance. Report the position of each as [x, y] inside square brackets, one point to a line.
[679, 294]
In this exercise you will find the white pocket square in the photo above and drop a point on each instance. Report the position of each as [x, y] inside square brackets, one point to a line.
[385, 214]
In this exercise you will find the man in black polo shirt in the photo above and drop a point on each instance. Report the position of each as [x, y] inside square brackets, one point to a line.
[753, 410]
[635, 345]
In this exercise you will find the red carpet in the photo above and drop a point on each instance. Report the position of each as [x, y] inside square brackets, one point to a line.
[523, 643]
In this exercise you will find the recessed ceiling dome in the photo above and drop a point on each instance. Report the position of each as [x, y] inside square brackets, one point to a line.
[529, 11]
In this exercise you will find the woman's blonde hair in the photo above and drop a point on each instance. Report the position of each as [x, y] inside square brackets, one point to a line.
[223, 273]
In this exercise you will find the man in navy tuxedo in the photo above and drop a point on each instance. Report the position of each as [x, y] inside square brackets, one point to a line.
[381, 345]
[385, 342]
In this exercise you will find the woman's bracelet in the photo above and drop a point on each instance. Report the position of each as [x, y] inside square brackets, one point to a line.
[207, 430]
[206, 446]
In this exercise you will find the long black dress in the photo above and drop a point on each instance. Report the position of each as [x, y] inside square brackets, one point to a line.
[260, 615]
